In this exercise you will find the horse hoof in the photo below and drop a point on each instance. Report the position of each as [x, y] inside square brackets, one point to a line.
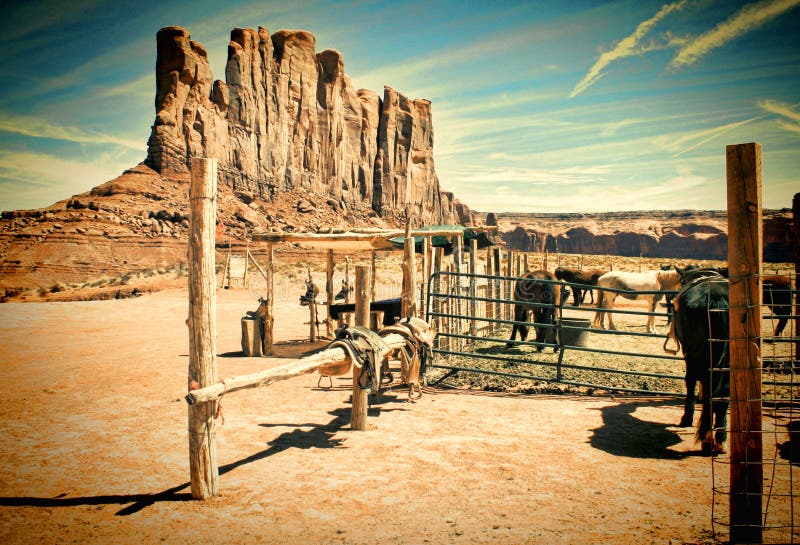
[686, 422]
[706, 449]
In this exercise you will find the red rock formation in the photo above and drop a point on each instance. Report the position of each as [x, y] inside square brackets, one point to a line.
[287, 118]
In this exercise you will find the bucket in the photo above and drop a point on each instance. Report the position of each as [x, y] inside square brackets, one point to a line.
[575, 337]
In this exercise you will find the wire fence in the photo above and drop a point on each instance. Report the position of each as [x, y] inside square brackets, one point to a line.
[778, 432]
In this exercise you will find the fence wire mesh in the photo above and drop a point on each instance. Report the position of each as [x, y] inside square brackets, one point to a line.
[778, 432]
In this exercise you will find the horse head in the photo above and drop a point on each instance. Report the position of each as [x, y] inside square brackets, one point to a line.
[690, 273]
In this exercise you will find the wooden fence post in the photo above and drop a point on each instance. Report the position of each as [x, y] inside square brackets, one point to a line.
[312, 314]
[438, 258]
[347, 317]
[423, 301]
[489, 305]
[329, 294]
[373, 267]
[498, 289]
[743, 163]
[358, 412]
[458, 257]
[409, 295]
[203, 470]
[796, 250]
[269, 319]
[473, 284]
[509, 283]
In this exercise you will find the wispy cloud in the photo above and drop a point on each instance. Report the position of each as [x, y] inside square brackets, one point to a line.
[789, 116]
[746, 19]
[142, 86]
[37, 127]
[687, 142]
[516, 177]
[33, 180]
[627, 47]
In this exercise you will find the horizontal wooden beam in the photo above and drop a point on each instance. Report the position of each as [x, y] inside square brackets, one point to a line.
[349, 237]
[325, 358]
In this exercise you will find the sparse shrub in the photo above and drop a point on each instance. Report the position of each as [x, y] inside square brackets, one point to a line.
[57, 287]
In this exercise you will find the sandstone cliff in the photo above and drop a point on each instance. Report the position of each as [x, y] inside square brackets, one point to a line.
[288, 117]
[668, 234]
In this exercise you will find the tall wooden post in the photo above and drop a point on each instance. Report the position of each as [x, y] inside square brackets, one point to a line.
[744, 262]
[509, 286]
[409, 295]
[347, 317]
[269, 319]
[202, 322]
[796, 250]
[488, 305]
[458, 256]
[312, 315]
[473, 284]
[423, 301]
[329, 294]
[438, 257]
[498, 288]
[373, 264]
[358, 413]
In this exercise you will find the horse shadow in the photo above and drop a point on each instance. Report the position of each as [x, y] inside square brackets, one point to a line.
[623, 434]
[790, 450]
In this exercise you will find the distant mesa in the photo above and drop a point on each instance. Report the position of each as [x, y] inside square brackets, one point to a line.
[288, 117]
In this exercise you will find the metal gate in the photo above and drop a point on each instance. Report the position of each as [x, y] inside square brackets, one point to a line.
[474, 316]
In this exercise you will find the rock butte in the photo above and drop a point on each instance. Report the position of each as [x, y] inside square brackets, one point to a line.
[288, 117]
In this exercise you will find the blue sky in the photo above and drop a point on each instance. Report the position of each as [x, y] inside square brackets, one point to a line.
[537, 106]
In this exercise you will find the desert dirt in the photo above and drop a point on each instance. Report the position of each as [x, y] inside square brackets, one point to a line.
[95, 447]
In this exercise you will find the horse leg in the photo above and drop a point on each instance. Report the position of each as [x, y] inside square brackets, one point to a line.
[782, 321]
[720, 408]
[598, 315]
[576, 296]
[651, 319]
[704, 427]
[608, 304]
[688, 405]
[538, 318]
[520, 315]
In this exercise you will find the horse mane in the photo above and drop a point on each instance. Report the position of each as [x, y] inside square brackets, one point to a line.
[667, 279]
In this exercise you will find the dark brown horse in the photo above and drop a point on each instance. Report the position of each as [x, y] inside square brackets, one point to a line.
[537, 292]
[701, 320]
[578, 281]
[776, 292]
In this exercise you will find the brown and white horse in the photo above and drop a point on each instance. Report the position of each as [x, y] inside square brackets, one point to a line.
[630, 284]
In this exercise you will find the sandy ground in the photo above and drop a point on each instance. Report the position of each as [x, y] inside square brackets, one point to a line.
[93, 438]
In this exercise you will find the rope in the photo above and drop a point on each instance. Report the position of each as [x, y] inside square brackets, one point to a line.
[218, 412]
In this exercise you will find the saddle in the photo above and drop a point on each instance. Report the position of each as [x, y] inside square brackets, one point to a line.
[414, 355]
[366, 351]
[370, 355]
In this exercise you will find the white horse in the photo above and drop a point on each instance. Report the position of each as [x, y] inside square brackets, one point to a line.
[632, 282]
